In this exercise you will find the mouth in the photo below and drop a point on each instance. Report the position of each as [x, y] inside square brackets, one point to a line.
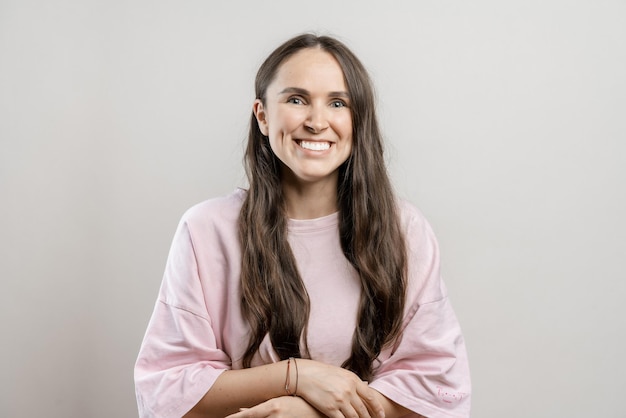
[314, 145]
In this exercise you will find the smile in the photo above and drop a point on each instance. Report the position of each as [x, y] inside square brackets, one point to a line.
[314, 145]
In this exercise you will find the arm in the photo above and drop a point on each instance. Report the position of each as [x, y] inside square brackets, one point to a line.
[285, 406]
[288, 406]
[235, 389]
[334, 391]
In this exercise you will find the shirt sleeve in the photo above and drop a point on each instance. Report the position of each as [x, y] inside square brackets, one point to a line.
[427, 370]
[179, 359]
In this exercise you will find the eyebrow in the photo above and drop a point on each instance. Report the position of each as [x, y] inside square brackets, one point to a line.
[304, 92]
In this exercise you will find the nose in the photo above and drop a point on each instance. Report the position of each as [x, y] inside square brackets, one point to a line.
[317, 120]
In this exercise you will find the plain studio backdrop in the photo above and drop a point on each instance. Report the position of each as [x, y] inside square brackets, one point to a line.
[505, 123]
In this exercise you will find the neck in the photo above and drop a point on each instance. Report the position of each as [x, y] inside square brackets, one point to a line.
[310, 200]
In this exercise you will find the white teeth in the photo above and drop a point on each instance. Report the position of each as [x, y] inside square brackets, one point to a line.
[315, 146]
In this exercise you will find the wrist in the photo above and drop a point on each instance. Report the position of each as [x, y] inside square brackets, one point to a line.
[292, 376]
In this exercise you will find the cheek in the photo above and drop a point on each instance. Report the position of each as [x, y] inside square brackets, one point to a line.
[286, 121]
[345, 126]
[349, 147]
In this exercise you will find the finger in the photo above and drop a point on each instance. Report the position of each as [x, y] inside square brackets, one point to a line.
[239, 414]
[349, 411]
[254, 412]
[360, 408]
[368, 397]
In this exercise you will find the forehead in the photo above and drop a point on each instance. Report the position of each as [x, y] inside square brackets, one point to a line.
[311, 69]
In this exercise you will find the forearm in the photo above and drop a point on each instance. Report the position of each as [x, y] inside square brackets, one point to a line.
[333, 391]
[235, 389]
[392, 409]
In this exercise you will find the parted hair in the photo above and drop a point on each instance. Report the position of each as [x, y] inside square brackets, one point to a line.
[274, 299]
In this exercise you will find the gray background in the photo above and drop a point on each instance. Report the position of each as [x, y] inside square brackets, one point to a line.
[505, 124]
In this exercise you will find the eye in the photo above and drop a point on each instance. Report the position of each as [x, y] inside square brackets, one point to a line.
[338, 104]
[295, 100]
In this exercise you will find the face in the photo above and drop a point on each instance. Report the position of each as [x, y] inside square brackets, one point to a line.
[306, 116]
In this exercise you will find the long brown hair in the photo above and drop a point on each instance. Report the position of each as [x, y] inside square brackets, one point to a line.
[274, 299]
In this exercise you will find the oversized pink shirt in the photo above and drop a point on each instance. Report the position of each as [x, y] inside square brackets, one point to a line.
[197, 331]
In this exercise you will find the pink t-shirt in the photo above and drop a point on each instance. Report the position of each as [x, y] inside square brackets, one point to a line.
[197, 331]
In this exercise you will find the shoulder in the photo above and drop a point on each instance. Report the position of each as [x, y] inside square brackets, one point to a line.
[215, 211]
[425, 283]
[412, 220]
[215, 218]
[418, 233]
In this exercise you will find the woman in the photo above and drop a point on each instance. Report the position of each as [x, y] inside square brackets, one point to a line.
[316, 281]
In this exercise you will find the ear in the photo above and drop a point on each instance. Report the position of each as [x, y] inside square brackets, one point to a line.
[261, 116]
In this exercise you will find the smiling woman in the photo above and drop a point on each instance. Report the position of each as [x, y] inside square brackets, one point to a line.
[316, 281]
[306, 116]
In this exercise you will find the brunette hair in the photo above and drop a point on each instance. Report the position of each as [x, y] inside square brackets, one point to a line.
[274, 299]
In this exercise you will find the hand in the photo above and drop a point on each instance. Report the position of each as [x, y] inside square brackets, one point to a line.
[336, 392]
[282, 407]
